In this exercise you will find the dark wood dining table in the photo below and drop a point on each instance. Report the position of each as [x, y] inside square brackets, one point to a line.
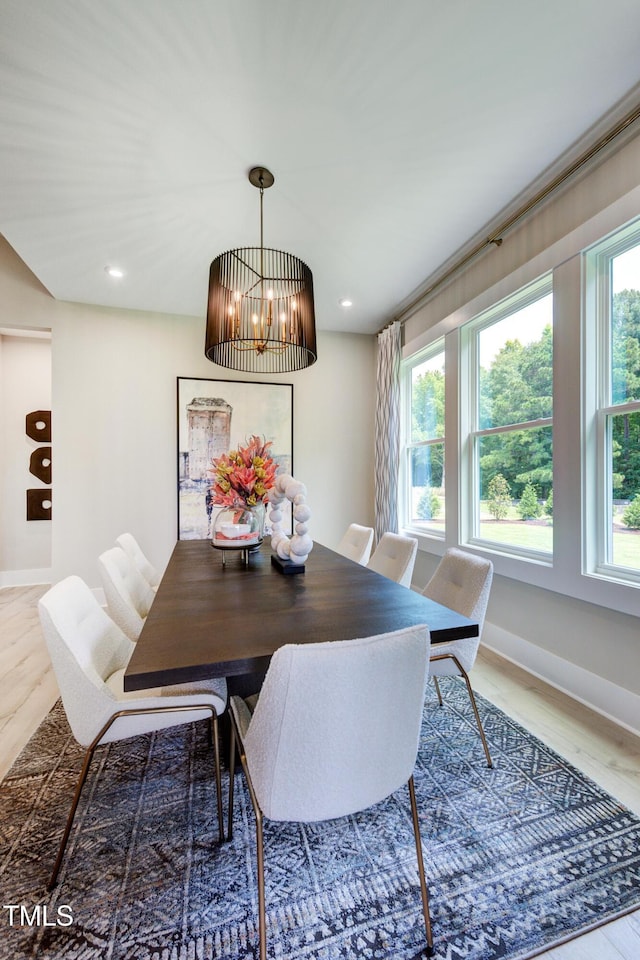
[210, 619]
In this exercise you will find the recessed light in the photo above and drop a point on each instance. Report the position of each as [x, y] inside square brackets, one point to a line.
[345, 302]
[114, 272]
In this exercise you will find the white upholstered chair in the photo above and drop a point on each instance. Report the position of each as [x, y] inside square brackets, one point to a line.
[131, 547]
[129, 596]
[356, 543]
[394, 557]
[461, 582]
[89, 654]
[292, 747]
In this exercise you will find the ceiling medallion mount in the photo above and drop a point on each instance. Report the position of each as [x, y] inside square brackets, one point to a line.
[261, 177]
[260, 310]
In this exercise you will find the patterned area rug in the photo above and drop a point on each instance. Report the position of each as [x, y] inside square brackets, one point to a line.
[518, 858]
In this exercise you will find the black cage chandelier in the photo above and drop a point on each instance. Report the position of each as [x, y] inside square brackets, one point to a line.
[260, 313]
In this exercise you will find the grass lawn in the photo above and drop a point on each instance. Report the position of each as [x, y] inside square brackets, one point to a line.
[626, 548]
[531, 534]
[538, 534]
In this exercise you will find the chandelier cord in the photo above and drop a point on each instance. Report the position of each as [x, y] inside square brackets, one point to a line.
[261, 238]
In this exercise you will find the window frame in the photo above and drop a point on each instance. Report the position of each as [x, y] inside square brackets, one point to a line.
[471, 432]
[598, 409]
[407, 445]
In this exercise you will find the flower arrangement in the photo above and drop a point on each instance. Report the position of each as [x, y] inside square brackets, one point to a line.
[243, 477]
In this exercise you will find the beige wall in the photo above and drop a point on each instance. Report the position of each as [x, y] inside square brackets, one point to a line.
[114, 409]
[25, 385]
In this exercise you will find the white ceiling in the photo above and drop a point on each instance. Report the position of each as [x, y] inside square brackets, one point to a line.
[395, 130]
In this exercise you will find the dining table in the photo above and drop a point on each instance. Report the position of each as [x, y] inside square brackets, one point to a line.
[214, 619]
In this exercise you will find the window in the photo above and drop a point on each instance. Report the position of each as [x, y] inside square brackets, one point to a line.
[521, 435]
[612, 408]
[422, 487]
[508, 467]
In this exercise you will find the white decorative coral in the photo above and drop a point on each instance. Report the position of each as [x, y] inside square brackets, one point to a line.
[298, 548]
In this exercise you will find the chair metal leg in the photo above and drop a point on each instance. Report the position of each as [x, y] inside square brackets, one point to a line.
[72, 812]
[96, 741]
[232, 769]
[423, 883]
[437, 686]
[214, 737]
[477, 715]
[262, 913]
[465, 677]
[262, 919]
[216, 750]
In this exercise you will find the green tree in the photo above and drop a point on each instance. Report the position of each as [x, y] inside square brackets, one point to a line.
[427, 406]
[625, 343]
[499, 497]
[548, 507]
[518, 387]
[625, 386]
[631, 516]
[428, 506]
[529, 508]
[427, 423]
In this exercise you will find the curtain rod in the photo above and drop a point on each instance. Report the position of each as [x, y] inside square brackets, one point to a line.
[495, 236]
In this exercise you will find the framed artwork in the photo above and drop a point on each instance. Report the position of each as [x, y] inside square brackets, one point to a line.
[215, 416]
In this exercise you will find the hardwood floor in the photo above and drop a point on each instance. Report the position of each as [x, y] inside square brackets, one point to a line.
[606, 752]
[28, 687]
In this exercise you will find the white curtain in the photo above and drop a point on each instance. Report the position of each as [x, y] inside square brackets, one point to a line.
[387, 448]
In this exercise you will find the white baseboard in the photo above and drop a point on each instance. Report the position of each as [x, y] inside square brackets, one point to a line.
[44, 577]
[606, 698]
[25, 578]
